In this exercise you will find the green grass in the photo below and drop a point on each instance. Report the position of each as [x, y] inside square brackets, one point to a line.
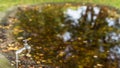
[4, 62]
[4, 4]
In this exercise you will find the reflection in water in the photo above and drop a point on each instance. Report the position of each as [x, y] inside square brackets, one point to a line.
[115, 54]
[82, 10]
[111, 21]
[116, 51]
[73, 15]
[101, 48]
[66, 36]
[119, 21]
[88, 36]
[76, 15]
[114, 36]
[89, 15]
[96, 10]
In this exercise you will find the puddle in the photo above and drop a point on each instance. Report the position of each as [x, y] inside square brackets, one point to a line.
[75, 34]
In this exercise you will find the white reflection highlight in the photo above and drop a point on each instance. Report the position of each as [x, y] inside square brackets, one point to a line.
[89, 15]
[96, 10]
[101, 49]
[75, 15]
[82, 9]
[110, 21]
[114, 36]
[116, 49]
[66, 36]
[119, 20]
[94, 18]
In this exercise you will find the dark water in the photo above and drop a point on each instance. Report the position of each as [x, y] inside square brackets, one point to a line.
[71, 36]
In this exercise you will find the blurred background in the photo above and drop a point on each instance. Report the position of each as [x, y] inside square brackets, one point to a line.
[4, 4]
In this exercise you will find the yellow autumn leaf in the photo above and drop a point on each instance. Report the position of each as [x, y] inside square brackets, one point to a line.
[38, 62]
[29, 38]
[43, 60]
[1, 40]
[12, 48]
[49, 61]
[28, 55]
[41, 54]
[61, 53]
[10, 45]
[19, 38]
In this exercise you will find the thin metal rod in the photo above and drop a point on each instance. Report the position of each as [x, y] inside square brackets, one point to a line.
[26, 47]
[17, 61]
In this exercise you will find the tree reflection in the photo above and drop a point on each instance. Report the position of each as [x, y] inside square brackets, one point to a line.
[71, 36]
